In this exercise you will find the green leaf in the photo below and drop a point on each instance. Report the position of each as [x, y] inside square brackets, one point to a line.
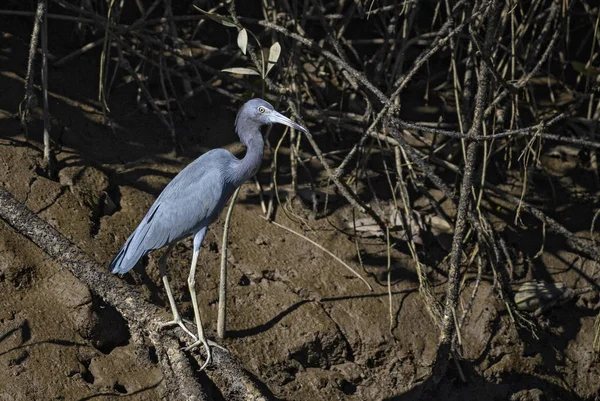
[241, 71]
[274, 53]
[217, 17]
[242, 41]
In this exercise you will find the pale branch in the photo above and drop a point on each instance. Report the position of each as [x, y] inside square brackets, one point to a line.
[48, 156]
[29, 99]
[465, 199]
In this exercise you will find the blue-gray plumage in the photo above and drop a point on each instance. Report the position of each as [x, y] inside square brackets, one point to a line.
[194, 199]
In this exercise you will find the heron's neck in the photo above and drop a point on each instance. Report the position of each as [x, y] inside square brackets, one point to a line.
[250, 163]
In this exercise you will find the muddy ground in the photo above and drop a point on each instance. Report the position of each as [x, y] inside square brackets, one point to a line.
[298, 320]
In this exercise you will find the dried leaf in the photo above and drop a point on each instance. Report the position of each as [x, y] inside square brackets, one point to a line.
[241, 71]
[589, 71]
[307, 195]
[533, 295]
[217, 18]
[368, 226]
[440, 228]
[438, 225]
[274, 53]
[242, 41]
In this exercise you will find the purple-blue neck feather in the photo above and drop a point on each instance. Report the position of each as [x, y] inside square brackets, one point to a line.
[250, 135]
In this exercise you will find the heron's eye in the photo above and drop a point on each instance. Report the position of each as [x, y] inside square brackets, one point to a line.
[261, 110]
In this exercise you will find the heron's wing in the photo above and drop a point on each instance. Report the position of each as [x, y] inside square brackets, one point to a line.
[190, 201]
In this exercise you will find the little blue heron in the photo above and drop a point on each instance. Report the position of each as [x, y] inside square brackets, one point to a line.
[193, 200]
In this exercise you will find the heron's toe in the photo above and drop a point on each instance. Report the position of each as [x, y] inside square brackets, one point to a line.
[214, 344]
[207, 347]
[178, 322]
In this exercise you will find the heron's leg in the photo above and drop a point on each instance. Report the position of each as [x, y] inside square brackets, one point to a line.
[198, 238]
[177, 321]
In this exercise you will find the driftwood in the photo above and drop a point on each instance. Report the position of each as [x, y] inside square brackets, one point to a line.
[180, 379]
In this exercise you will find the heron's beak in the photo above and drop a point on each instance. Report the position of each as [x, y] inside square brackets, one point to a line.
[281, 119]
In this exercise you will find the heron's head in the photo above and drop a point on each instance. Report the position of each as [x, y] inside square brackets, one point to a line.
[257, 112]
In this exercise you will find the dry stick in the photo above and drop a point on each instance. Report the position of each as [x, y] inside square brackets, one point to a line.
[29, 98]
[528, 131]
[167, 102]
[105, 62]
[274, 186]
[393, 127]
[422, 127]
[448, 327]
[359, 76]
[166, 29]
[480, 264]
[355, 74]
[524, 80]
[448, 322]
[79, 52]
[313, 187]
[334, 42]
[142, 317]
[259, 64]
[177, 44]
[177, 99]
[553, 225]
[323, 249]
[406, 222]
[402, 38]
[293, 161]
[222, 316]
[101, 22]
[425, 291]
[50, 16]
[48, 163]
[260, 195]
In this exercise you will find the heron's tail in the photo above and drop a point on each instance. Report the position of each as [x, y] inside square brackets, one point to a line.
[127, 256]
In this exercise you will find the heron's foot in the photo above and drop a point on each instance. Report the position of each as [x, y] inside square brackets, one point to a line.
[208, 342]
[207, 345]
[177, 321]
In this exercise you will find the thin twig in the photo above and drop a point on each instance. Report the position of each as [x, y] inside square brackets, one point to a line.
[48, 157]
[29, 100]
[323, 249]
